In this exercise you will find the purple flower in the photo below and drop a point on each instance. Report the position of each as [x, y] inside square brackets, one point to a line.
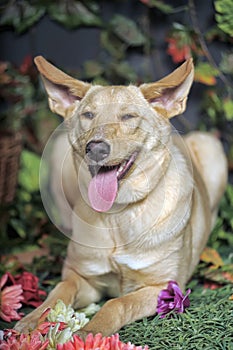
[172, 299]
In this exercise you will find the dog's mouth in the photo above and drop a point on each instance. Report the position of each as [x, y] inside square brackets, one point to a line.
[103, 187]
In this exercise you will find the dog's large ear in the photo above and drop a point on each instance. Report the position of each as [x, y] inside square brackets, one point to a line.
[169, 95]
[62, 89]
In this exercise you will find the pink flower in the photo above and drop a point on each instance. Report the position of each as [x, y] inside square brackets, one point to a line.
[98, 342]
[10, 299]
[31, 292]
[33, 341]
[44, 327]
[172, 299]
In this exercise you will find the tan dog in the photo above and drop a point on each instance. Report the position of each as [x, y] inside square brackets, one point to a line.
[144, 201]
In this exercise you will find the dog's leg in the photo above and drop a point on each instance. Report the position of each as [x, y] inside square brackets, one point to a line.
[120, 311]
[73, 290]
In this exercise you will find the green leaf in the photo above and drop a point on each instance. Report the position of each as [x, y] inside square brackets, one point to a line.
[30, 15]
[18, 225]
[212, 114]
[228, 109]
[206, 73]
[29, 171]
[160, 5]
[215, 32]
[127, 31]
[180, 27]
[93, 69]
[222, 233]
[226, 236]
[124, 70]
[223, 5]
[112, 44]
[10, 15]
[100, 81]
[93, 6]
[226, 64]
[165, 8]
[224, 17]
[21, 15]
[73, 14]
[229, 194]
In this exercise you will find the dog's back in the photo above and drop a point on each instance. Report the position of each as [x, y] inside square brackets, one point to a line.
[209, 158]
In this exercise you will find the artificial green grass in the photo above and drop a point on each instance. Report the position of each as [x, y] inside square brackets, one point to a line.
[207, 324]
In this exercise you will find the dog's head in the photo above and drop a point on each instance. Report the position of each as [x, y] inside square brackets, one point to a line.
[122, 132]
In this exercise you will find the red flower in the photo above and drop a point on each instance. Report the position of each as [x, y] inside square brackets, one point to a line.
[26, 65]
[10, 298]
[22, 288]
[178, 52]
[31, 292]
[97, 342]
[44, 327]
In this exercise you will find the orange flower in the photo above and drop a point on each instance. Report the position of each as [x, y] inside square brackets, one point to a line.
[178, 52]
[10, 299]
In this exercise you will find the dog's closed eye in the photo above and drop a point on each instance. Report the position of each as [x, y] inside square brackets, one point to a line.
[127, 117]
[88, 115]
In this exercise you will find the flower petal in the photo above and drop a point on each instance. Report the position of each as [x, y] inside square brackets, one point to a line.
[172, 298]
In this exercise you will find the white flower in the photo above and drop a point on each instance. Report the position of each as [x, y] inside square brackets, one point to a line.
[58, 337]
[60, 313]
[91, 309]
[1, 335]
[78, 321]
[66, 314]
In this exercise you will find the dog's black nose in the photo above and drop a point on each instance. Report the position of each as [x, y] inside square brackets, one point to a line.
[97, 150]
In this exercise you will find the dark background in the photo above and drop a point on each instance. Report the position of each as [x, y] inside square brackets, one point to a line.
[69, 49]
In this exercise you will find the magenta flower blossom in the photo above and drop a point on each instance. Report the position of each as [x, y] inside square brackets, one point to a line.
[172, 299]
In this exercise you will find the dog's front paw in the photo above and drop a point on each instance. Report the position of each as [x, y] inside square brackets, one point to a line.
[82, 334]
[27, 323]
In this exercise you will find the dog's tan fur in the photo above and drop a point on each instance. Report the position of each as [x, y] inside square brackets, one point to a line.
[165, 205]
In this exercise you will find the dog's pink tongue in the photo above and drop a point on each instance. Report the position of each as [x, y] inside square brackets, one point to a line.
[102, 190]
